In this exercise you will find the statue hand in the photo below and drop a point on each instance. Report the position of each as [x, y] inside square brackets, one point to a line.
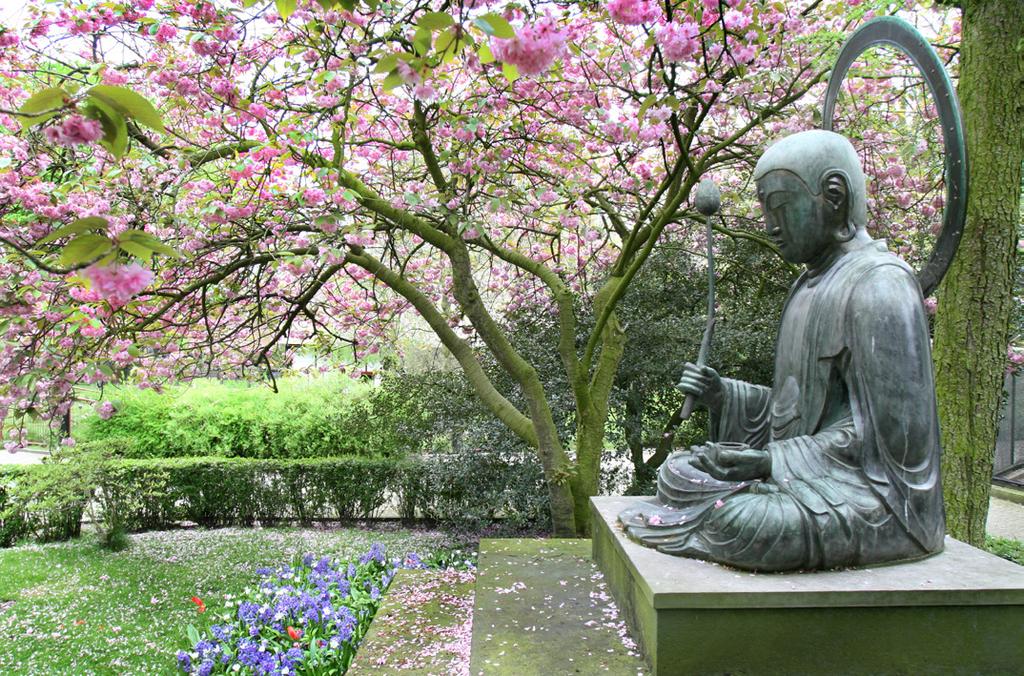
[704, 383]
[731, 465]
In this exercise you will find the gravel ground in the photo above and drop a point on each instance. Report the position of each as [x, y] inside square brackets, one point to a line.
[21, 457]
[1005, 519]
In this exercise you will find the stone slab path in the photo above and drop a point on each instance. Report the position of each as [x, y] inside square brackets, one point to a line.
[542, 608]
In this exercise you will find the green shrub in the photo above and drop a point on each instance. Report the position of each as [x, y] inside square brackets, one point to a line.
[41, 502]
[317, 417]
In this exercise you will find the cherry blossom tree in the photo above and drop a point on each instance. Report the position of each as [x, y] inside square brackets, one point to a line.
[188, 186]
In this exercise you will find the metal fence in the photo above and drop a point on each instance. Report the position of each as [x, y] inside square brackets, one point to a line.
[1008, 463]
[47, 434]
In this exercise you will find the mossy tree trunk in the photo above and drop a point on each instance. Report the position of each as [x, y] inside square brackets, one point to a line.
[975, 298]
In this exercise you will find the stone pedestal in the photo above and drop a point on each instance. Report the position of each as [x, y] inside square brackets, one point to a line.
[958, 612]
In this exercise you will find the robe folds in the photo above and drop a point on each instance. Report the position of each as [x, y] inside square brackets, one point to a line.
[850, 426]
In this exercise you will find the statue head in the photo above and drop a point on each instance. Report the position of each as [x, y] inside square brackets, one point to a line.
[811, 188]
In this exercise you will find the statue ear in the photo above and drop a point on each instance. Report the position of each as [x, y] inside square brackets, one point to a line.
[835, 189]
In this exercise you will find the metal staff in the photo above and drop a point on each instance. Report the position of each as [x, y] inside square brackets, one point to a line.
[707, 200]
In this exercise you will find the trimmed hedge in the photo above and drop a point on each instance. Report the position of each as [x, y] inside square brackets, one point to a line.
[136, 495]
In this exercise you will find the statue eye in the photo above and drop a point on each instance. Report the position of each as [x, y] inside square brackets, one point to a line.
[777, 200]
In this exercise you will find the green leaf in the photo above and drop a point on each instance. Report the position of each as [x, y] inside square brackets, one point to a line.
[421, 41]
[47, 99]
[445, 41]
[76, 227]
[433, 21]
[510, 71]
[495, 25]
[127, 102]
[148, 241]
[393, 80]
[648, 102]
[84, 248]
[139, 251]
[387, 63]
[485, 54]
[285, 8]
[115, 130]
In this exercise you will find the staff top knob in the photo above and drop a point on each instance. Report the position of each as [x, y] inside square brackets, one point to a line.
[707, 200]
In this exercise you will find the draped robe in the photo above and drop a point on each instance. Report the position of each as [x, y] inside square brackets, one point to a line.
[850, 426]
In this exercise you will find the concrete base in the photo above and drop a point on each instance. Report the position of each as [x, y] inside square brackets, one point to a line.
[958, 612]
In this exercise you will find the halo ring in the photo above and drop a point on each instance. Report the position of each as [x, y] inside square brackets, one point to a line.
[898, 33]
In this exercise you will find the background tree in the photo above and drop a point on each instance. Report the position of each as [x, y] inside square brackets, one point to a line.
[976, 297]
[664, 317]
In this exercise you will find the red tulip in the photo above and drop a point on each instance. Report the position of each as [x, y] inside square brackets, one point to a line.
[294, 634]
[199, 602]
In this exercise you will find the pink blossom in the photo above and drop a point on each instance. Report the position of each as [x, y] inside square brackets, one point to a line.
[653, 133]
[313, 196]
[118, 284]
[205, 47]
[533, 49]
[633, 12]
[75, 129]
[424, 92]
[744, 54]
[105, 410]
[736, 20]
[165, 33]
[654, 520]
[408, 73]
[335, 84]
[719, 503]
[679, 41]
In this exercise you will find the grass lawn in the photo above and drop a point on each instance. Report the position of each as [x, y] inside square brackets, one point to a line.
[1012, 550]
[73, 608]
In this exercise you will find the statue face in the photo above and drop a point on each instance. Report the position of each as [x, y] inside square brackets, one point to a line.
[795, 217]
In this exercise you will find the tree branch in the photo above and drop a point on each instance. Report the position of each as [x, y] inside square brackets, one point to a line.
[460, 349]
